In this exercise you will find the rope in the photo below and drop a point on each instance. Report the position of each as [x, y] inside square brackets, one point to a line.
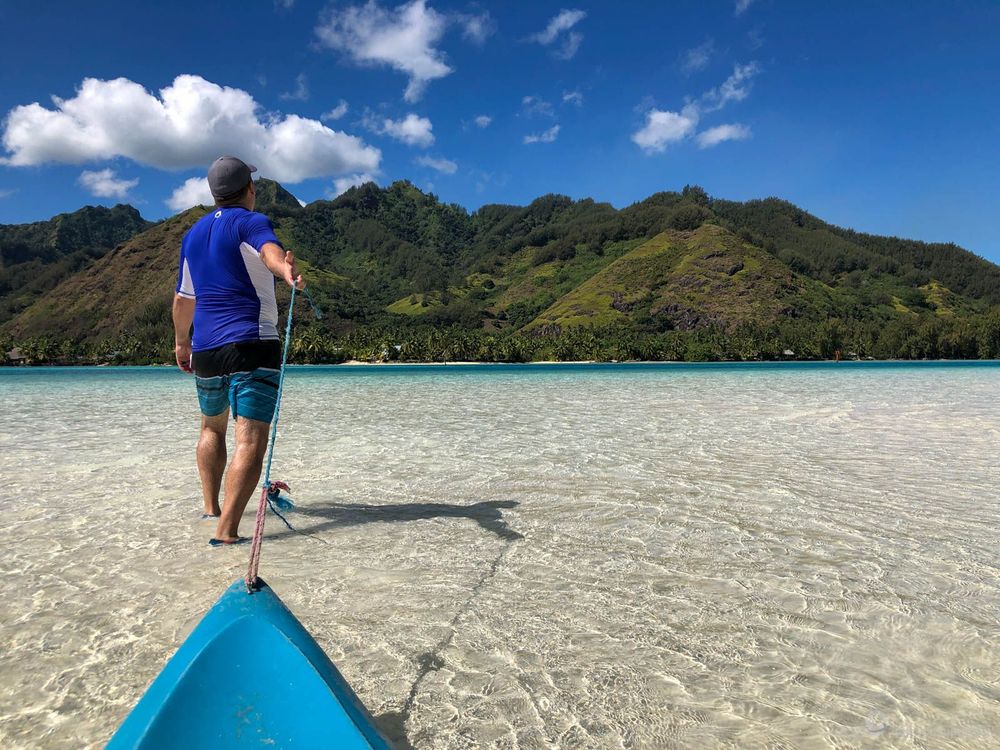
[269, 488]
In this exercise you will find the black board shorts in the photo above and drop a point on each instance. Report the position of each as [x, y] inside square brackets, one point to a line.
[245, 356]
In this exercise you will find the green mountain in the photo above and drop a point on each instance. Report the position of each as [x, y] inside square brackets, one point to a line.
[34, 258]
[676, 276]
[685, 280]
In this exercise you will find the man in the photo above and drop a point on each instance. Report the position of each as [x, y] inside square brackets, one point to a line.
[225, 288]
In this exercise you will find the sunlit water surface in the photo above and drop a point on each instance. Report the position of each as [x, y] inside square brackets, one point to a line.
[534, 557]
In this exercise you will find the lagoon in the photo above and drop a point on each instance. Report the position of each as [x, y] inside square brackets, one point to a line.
[534, 556]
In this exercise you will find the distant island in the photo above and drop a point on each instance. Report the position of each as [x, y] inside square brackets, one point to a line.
[401, 276]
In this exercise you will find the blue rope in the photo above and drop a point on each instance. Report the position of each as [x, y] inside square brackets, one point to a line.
[315, 308]
[281, 385]
[273, 496]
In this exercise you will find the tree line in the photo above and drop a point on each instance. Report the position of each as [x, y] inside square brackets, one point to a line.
[906, 337]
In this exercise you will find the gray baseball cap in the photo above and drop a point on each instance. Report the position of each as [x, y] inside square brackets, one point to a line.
[228, 176]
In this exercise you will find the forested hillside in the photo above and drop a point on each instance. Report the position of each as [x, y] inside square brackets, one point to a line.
[34, 258]
[401, 275]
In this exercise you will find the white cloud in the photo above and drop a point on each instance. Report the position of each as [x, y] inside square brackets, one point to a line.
[736, 88]
[477, 28]
[336, 113]
[535, 106]
[445, 166]
[483, 121]
[562, 22]
[190, 124]
[402, 38]
[720, 133]
[546, 137]
[573, 97]
[301, 92]
[286, 4]
[342, 184]
[105, 184]
[742, 6]
[7, 192]
[194, 192]
[663, 127]
[697, 58]
[411, 130]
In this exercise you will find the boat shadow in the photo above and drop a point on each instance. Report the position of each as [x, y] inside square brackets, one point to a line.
[335, 515]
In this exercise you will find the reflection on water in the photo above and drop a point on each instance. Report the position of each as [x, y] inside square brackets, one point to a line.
[534, 558]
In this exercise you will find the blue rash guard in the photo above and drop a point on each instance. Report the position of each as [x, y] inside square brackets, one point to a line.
[221, 267]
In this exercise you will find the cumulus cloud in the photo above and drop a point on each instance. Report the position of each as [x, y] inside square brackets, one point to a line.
[545, 137]
[403, 38]
[342, 184]
[559, 29]
[663, 127]
[483, 121]
[194, 192]
[720, 133]
[742, 6]
[573, 97]
[697, 58]
[105, 184]
[188, 125]
[301, 92]
[412, 130]
[336, 113]
[445, 166]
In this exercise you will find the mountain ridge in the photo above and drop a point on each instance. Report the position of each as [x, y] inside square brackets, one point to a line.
[396, 264]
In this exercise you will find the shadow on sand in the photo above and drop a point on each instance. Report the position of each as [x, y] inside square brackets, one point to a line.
[334, 515]
[487, 514]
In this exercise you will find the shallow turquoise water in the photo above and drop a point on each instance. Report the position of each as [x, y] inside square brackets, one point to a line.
[535, 556]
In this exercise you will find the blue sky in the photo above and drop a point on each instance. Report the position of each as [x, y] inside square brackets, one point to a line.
[884, 117]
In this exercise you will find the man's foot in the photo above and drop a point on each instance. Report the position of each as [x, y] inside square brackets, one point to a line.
[209, 516]
[224, 542]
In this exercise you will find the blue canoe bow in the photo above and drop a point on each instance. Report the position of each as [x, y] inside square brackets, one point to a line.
[249, 676]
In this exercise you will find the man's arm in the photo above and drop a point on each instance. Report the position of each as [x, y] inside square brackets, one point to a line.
[183, 318]
[282, 264]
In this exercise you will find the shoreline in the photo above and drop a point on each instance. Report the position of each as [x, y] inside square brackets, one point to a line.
[356, 363]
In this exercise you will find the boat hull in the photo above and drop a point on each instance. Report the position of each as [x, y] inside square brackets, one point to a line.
[250, 675]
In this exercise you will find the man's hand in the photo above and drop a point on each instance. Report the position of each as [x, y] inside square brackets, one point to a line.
[291, 273]
[282, 264]
[183, 314]
[182, 351]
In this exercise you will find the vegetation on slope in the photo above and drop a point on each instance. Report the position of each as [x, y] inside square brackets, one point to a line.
[401, 275]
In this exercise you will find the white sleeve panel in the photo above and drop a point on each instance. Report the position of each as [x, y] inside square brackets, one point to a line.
[187, 286]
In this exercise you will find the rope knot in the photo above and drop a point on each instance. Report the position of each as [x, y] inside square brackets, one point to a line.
[275, 498]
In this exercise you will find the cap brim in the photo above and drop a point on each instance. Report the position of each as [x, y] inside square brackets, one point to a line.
[251, 167]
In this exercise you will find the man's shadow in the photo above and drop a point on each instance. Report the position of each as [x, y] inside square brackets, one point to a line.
[334, 515]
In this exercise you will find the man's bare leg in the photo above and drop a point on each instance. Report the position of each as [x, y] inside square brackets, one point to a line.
[212, 459]
[243, 475]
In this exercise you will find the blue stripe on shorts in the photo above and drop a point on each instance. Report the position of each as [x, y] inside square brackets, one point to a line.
[248, 394]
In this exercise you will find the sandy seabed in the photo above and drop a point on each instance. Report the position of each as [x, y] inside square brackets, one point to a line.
[557, 558]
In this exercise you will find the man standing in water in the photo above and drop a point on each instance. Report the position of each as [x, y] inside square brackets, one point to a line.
[225, 288]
